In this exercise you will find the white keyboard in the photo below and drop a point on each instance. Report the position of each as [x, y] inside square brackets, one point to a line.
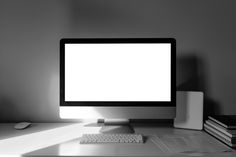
[111, 138]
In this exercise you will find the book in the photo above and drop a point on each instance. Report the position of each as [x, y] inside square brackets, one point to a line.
[220, 138]
[227, 121]
[218, 133]
[230, 133]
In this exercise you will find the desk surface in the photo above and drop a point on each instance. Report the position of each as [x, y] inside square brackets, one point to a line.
[62, 139]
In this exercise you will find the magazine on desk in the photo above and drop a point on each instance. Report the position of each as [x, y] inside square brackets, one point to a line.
[216, 132]
[227, 121]
[222, 127]
[230, 133]
[219, 137]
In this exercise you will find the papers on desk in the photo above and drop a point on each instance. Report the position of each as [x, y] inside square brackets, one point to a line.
[189, 144]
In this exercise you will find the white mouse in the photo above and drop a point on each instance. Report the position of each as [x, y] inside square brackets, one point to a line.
[22, 125]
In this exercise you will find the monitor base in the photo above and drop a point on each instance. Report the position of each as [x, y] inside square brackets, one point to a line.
[116, 129]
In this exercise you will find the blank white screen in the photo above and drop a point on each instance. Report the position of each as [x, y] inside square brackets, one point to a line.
[118, 72]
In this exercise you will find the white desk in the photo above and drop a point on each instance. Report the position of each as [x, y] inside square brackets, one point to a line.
[62, 139]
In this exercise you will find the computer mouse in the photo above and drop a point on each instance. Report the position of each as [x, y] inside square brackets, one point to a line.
[22, 125]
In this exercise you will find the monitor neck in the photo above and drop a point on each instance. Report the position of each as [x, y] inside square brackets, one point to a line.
[117, 126]
[114, 121]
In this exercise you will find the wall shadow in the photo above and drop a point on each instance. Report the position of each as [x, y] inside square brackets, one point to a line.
[8, 110]
[191, 75]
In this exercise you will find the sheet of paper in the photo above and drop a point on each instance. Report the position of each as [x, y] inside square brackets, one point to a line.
[189, 144]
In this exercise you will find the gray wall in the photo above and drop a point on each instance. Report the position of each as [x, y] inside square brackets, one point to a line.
[29, 47]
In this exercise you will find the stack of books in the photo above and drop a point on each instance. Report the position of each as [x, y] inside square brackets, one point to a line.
[223, 127]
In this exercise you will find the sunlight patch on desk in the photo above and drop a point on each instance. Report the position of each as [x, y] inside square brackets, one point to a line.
[38, 140]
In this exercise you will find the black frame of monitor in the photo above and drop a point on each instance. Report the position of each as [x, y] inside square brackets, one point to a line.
[64, 41]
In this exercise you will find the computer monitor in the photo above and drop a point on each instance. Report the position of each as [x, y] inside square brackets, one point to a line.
[118, 78]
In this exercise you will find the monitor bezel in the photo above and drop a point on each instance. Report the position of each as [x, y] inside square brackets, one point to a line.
[171, 103]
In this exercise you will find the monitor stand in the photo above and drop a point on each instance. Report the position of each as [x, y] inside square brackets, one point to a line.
[116, 126]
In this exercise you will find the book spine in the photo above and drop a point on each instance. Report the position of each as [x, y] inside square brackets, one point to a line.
[222, 124]
[219, 133]
[219, 128]
[219, 138]
[218, 122]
